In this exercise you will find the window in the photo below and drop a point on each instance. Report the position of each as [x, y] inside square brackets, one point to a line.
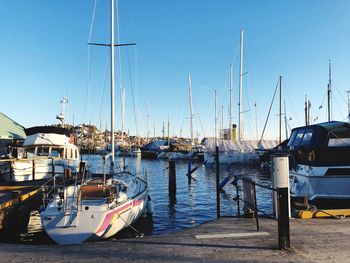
[307, 137]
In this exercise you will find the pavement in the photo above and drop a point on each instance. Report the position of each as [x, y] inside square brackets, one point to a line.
[223, 240]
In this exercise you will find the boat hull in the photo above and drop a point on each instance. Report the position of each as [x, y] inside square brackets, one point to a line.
[91, 220]
[318, 186]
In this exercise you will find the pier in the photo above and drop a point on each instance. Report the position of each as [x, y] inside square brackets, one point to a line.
[227, 239]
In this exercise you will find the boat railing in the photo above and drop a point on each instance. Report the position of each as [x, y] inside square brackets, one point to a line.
[35, 167]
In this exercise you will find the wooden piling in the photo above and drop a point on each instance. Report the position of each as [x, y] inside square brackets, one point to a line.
[217, 163]
[172, 181]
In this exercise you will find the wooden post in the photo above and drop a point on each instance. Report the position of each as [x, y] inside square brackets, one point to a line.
[256, 208]
[283, 218]
[33, 170]
[172, 181]
[217, 182]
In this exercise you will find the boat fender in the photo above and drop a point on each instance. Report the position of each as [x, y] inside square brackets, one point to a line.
[150, 206]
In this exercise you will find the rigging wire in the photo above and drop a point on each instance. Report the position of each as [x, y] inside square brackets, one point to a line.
[268, 114]
[290, 101]
[199, 118]
[321, 106]
[104, 83]
[132, 93]
[120, 68]
[89, 59]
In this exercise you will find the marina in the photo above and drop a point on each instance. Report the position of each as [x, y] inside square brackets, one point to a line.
[187, 132]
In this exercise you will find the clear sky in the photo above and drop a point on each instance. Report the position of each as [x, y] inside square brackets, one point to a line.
[44, 56]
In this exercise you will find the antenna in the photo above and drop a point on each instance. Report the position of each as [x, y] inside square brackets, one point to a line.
[61, 116]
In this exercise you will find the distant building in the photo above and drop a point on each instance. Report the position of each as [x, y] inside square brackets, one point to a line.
[10, 132]
[228, 134]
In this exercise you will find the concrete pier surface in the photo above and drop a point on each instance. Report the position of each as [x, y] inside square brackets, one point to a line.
[223, 240]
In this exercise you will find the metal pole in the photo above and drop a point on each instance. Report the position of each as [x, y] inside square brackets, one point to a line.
[112, 85]
[230, 109]
[240, 116]
[215, 120]
[283, 218]
[280, 117]
[329, 92]
[217, 182]
[256, 208]
[191, 111]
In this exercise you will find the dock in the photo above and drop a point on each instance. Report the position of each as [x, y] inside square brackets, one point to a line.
[224, 240]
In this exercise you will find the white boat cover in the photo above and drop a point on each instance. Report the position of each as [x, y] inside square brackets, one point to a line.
[46, 139]
[239, 146]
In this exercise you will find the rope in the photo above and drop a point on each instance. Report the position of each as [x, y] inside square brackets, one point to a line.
[89, 60]
[129, 225]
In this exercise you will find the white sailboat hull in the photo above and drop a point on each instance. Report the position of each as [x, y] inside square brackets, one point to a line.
[77, 222]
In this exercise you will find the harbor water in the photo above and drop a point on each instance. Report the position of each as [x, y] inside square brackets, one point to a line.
[195, 198]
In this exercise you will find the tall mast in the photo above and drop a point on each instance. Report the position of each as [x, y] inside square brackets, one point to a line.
[190, 98]
[230, 108]
[256, 121]
[168, 131]
[280, 115]
[215, 119]
[348, 92]
[285, 120]
[329, 92]
[240, 116]
[147, 135]
[112, 83]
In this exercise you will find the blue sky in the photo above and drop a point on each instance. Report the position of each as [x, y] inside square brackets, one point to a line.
[44, 56]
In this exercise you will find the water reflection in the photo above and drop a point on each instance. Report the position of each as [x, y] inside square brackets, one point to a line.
[195, 201]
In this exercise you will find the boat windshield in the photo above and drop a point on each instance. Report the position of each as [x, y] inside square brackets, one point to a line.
[301, 137]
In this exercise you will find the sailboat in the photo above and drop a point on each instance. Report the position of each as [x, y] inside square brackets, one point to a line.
[235, 150]
[98, 207]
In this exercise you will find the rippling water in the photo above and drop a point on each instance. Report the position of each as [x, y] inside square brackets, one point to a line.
[195, 199]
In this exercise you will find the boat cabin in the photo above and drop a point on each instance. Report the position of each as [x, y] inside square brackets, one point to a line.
[321, 144]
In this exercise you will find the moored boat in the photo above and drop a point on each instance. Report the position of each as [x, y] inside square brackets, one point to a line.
[320, 163]
[99, 206]
[46, 151]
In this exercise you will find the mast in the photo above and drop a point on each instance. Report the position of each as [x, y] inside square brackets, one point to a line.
[240, 116]
[230, 108]
[168, 131]
[191, 111]
[147, 135]
[329, 92]
[285, 120]
[256, 121]
[215, 119]
[112, 84]
[280, 115]
[348, 92]
[305, 109]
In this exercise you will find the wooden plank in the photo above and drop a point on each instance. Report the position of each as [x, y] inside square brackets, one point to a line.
[232, 235]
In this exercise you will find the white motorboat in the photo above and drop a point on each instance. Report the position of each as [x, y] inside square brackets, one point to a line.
[46, 151]
[320, 162]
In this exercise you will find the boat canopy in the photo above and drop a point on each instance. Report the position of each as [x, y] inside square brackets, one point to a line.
[241, 146]
[321, 144]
